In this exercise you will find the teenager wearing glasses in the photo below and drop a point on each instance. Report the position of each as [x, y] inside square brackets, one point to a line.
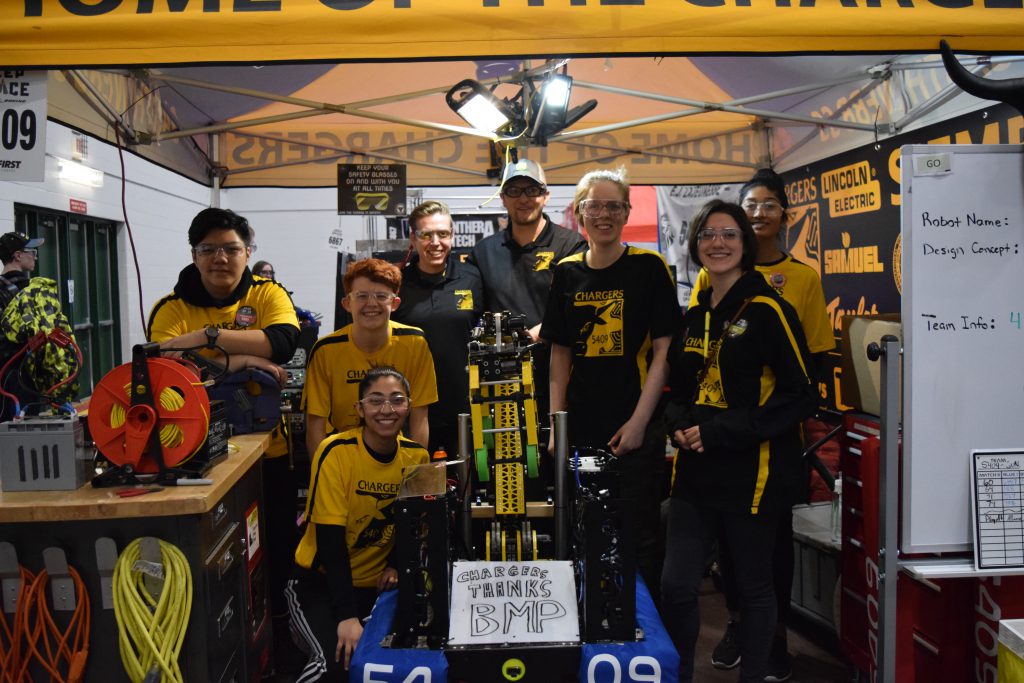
[263, 269]
[338, 361]
[342, 562]
[740, 386]
[19, 254]
[254, 321]
[444, 297]
[611, 313]
[516, 263]
[764, 200]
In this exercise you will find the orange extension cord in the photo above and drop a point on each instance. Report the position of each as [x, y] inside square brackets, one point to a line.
[11, 634]
[35, 636]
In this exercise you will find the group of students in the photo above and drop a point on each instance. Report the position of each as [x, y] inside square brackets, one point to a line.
[740, 376]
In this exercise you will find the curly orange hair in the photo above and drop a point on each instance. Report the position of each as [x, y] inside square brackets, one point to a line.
[375, 270]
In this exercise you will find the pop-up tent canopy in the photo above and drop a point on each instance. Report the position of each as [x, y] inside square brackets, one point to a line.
[687, 91]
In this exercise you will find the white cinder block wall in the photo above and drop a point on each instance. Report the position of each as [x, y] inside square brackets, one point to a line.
[159, 203]
[292, 225]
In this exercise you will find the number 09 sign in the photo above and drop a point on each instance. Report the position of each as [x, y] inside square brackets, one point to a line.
[22, 124]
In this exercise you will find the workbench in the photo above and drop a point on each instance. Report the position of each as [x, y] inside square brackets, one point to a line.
[220, 529]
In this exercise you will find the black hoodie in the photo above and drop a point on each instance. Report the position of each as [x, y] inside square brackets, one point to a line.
[750, 403]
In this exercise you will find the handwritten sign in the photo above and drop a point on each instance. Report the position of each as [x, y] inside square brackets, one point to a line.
[513, 602]
[998, 481]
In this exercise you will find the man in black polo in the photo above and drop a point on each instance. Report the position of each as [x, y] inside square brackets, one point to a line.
[516, 264]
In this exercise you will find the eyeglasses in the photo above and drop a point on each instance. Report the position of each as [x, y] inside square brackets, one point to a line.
[34, 253]
[266, 273]
[378, 401]
[229, 250]
[429, 235]
[724, 235]
[768, 207]
[592, 208]
[362, 298]
[516, 191]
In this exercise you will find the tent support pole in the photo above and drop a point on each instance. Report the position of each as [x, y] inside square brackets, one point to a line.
[838, 112]
[699, 108]
[85, 89]
[795, 90]
[361, 113]
[215, 171]
[940, 98]
[317, 109]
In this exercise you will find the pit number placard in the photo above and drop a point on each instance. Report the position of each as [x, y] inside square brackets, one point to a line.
[22, 124]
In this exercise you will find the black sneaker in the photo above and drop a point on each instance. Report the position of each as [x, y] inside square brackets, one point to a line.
[780, 665]
[727, 653]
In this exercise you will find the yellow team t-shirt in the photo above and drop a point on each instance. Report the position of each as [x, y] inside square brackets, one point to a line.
[336, 367]
[798, 285]
[349, 487]
[265, 303]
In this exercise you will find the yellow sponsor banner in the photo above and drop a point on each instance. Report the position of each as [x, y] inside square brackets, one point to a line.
[853, 260]
[851, 189]
[112, 32]
[853, 200]
[803, 235]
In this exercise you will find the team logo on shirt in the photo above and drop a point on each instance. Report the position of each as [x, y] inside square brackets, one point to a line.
[463, 299]
[245, 316]
[737, 328]
[599, 317]
[711, 392]
[380, 525]
[543, 260]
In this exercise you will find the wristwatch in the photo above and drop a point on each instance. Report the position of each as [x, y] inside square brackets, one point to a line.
[212, 333]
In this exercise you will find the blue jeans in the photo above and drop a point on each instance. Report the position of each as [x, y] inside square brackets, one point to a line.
[690, 535]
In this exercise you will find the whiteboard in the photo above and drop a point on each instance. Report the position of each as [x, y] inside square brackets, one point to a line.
[963, 339]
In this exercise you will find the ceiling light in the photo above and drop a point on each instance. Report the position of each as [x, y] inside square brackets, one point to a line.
[556, 91]
[539, 110]
[74, 172]
[478, 106]
[550, 110]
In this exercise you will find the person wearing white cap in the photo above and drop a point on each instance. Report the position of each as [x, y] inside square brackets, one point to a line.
[516, 264]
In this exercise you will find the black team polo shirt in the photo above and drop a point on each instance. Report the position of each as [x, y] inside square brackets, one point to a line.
[517, 278]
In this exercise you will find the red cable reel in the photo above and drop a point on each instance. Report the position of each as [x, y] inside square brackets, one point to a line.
[180, 413]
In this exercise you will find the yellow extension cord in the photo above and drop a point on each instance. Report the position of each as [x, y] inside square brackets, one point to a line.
[171, 436]
[152, 630]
